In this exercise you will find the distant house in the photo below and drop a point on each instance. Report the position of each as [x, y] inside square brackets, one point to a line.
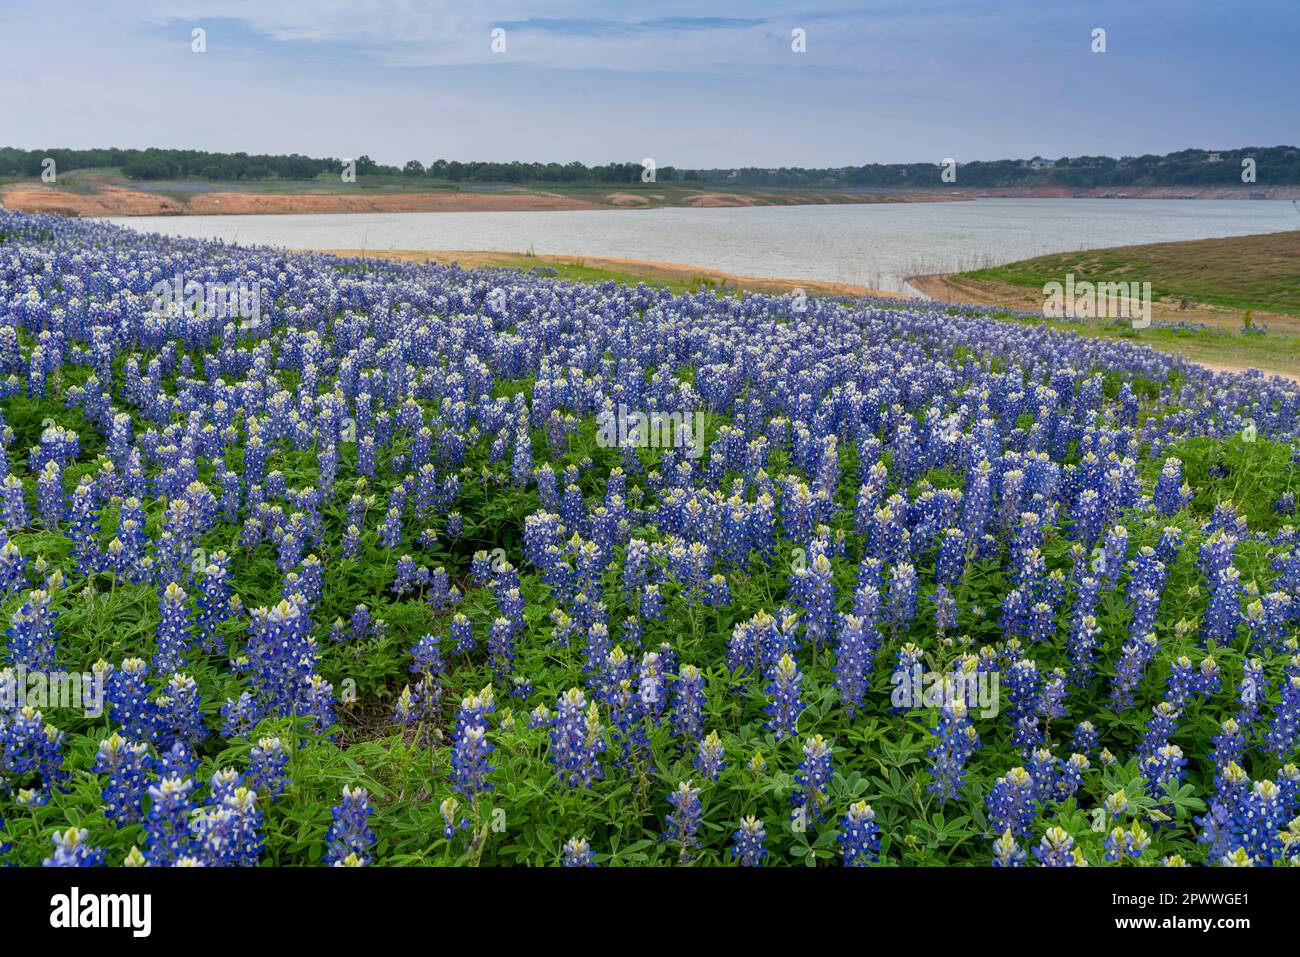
[1039, 163]
[1214, 158]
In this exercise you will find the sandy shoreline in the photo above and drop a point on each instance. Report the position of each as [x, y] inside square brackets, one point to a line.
[647, 268]
[107, 199]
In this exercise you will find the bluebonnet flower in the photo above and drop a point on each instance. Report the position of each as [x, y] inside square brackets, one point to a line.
[1160, 728]
[1070, 777]
[13, 569]
[859, 836]
[127, 765]
[688, 703]
[951, 561]
[710, 759]
[317, 702]
[902, 598]
[578, 853]
[167, 825]
[1130, 843]
[785, 706]
[683, 822]
[239, 716]
[361, 624]
[471, 750]
[50, 495]
[1084, 739]
[462, 633]
[1137, 654]
[177, 761]
[576, 742]
[427, 656]
[215, 602]
[855, 652]
[279, 660]
[228, 834]
[1180, 681]
[1164, 769]
[1268, 617]
[33, 639]
[127, 690]
[350, 833]
[1252, 689]
[652, 606]
[177, 716]
[1280, 740]
[1051, 697]
[1024, 685]
[945, 611]
[1259, 819]
[449, 809]
[1223, 616]
[717, 593]
[749, 843]
[813, 587]
[501, 646]
[1011, 803]
[1007, 852]
[1112, 557]
[956, 741]
[71, 850]
[13, 510]
[812, 780]
[907, 679]
[267, 767]
[1172, 493]
[1057, 850]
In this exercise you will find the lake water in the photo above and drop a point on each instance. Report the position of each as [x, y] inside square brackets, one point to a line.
[869, 245]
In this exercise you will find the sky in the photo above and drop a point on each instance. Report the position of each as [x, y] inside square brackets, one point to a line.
[688, 83]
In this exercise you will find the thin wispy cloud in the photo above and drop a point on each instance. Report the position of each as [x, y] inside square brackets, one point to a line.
[610, 28]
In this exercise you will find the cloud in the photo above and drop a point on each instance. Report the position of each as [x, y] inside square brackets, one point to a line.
[607, 28]
[690, 85]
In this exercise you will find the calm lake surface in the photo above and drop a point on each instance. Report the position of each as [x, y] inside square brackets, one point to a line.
[870, 245]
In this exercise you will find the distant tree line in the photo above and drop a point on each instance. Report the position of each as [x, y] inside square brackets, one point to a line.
[1274, 165]
[516, 172]
[162, 164]
[173, 164]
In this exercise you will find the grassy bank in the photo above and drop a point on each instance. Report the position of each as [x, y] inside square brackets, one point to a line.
[1260, 273]
[1203, 293]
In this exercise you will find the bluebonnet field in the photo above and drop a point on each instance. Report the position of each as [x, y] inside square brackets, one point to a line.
[363, 586]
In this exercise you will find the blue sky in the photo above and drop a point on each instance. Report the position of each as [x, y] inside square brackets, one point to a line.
[694, 84]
